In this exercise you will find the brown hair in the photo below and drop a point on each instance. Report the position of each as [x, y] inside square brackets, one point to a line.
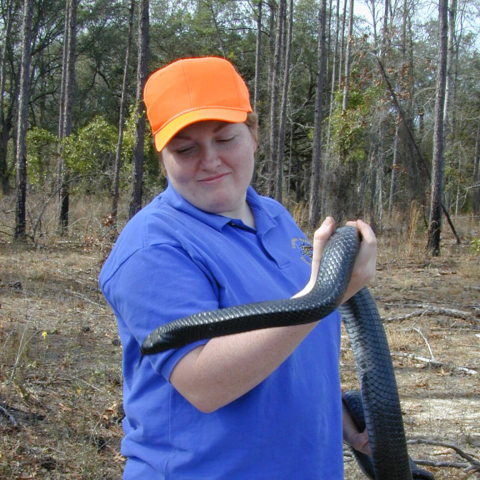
[252, 124]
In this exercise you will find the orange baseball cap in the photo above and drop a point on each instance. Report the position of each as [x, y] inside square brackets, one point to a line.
[192, 90]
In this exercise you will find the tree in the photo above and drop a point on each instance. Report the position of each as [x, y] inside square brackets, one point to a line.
[476, 174]
[272, 188]
[5, 120]
[348, 58]
[283, 109]
[258, 55]
[436, 202]
[334, 71]
[66, 105]
[314, 207]
[138, 150]
[121, 121]
[21, 156]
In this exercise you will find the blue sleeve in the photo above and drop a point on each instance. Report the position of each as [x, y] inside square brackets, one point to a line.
[154, 286]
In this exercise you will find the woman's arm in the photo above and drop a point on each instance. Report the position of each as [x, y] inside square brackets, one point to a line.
[224, 369]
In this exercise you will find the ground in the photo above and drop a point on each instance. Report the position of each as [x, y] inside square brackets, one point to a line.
[60, 357]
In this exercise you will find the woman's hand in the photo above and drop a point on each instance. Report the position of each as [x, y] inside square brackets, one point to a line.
[364, 268]
[320, 238]
[357, 440]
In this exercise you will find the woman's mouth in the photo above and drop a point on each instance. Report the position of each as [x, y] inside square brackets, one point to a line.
[212, 179]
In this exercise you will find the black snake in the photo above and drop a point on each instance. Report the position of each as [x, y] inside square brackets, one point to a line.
[381, 404]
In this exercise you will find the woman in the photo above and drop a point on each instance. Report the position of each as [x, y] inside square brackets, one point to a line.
[257, 405]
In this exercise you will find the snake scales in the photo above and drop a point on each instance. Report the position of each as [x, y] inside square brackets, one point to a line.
[379, 393]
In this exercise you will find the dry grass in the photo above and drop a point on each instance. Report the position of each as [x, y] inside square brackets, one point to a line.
[60, 359]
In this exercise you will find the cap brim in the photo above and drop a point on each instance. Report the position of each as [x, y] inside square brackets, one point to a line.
[182, 121]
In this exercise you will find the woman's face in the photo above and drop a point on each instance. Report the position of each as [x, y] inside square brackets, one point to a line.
[210, 164]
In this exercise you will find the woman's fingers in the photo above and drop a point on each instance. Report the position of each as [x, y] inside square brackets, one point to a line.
[320, 238]
[365, 264]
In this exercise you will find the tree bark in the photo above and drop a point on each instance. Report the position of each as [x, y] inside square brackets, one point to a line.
[258, 54]
[4, 123]
[334, 73]
[67, 114]
[21, 156]
[274, 128]
[138, 149]
[342, 47]
[283, 110]
[347, 58]
[476, 175]
[385, 39]
[435, 221]
[121, 121]
[314, 205]
[393, 179]
[256, 91]
[450, 79]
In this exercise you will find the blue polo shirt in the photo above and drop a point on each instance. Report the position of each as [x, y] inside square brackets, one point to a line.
[173, 260]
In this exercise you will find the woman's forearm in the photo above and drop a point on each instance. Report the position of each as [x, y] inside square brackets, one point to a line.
[226, 368]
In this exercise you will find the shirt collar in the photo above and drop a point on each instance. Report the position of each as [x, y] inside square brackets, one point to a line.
[264, 219]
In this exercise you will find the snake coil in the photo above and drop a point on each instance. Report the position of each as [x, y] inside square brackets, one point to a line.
[381, 404]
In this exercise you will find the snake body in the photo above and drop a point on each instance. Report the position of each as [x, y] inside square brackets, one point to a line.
[381, 403]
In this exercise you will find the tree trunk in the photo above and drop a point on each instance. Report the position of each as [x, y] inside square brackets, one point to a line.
[217, 29]
[342, 48]
[393, 179]
[67, 115]
[271, 184]
[283, 110]
[63, 80]
[476, 175]
[347, 58]
[4, 138]
[4, 127]
[138, 149]
[258, 63]
[450, 80]
[258, 54]
[314, 205]
[121, 121]
[334, 73]
[435, 223]
[385, 39]
[21, 156]
[373, 166]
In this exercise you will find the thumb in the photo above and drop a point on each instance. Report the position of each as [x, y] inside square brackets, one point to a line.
[320, 238]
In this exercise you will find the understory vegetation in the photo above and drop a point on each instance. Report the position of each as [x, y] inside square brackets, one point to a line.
[60, 355]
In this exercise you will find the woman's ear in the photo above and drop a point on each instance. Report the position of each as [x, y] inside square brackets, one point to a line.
[162, 164]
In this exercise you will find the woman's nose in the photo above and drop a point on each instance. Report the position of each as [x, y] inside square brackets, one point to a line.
[210, 157]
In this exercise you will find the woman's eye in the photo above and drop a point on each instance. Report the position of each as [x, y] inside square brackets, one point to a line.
[226, 139]
[184, 150]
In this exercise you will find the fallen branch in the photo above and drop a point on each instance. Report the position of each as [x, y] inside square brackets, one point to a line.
[430, 310]
[473, 463]
[432, 356]
[438, 464]
[434, 363]
[424, 305]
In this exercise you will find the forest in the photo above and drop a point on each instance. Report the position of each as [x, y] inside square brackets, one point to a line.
[367, 109]
[361, 114]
